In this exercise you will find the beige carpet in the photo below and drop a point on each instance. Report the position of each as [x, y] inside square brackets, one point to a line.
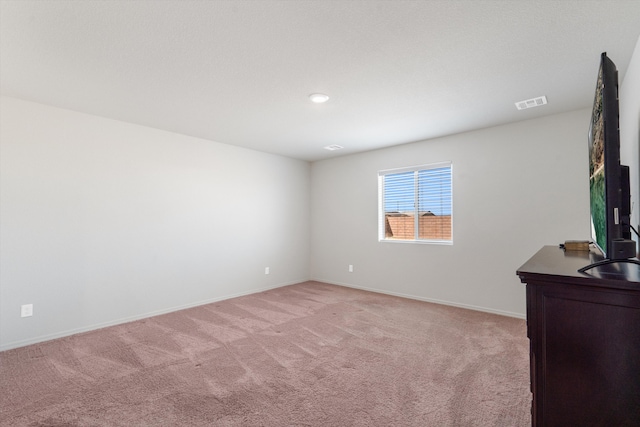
[309, 354]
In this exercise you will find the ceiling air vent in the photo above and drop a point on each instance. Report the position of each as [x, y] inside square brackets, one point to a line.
[530, 103]
[333, 147]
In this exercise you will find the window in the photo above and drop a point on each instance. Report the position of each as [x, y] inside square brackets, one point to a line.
[415, 204]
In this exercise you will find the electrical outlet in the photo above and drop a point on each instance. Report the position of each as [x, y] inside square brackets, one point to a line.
[266, 270]
[26, 310]
[350, 268]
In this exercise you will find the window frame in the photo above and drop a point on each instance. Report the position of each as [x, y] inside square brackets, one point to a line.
[381, 203]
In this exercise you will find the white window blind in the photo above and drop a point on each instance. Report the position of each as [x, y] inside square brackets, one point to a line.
[415, 204]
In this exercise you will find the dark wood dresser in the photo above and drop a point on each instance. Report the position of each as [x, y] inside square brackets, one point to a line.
[584, 332]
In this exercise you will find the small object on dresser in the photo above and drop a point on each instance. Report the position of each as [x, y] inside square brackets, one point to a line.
[576, 245]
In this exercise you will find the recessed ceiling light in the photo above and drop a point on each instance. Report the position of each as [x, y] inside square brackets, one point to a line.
[333, 147]
[318, 98]
[530, 103]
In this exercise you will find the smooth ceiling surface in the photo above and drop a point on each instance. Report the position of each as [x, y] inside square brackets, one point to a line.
[240, 72]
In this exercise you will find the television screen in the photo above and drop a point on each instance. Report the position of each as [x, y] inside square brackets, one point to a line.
[608, 179]
[597, 185]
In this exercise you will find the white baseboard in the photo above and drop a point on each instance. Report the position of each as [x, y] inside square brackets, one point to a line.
[43, 338]
[419, 298]
[120, 321]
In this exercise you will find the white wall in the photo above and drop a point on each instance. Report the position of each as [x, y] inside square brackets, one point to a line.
[516, 188]
[629, 94]
[104, 221]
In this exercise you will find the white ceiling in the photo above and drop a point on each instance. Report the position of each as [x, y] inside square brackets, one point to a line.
[240, 72]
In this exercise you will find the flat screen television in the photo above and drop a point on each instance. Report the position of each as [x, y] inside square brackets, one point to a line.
[609, 188]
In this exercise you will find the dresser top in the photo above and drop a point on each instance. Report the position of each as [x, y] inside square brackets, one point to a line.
[553, 264]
